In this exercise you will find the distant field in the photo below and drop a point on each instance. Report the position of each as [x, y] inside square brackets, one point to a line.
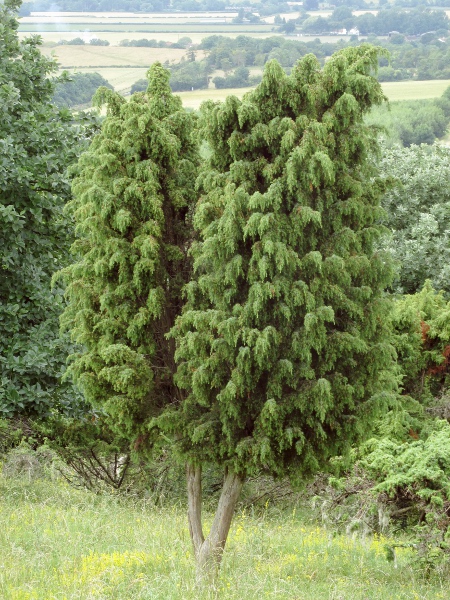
[120, 79]
[113, 56]
[185, 28]
[112, 16]
[195, 98]
[415, 90]
[403, 90]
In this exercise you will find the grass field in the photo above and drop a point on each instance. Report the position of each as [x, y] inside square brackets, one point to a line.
[58, 543]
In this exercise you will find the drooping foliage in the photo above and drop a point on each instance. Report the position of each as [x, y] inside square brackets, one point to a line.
[37, 144]
[284, 346]
[132, 207]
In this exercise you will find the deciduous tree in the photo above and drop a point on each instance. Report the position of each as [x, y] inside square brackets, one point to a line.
[37, 144]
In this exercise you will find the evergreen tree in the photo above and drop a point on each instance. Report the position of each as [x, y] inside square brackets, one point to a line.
[37, 144]
[283, 347]
[132, 206]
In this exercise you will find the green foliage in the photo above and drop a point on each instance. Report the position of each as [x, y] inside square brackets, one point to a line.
[240, 78]
[423, 337]
[37, 143]
[418, 215]
[79, 89]
[189, 75]
[132, 205]
[284, 345]
[411, 122]
[415, 476]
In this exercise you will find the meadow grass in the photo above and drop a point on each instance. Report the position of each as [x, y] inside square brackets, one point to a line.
[62, 544]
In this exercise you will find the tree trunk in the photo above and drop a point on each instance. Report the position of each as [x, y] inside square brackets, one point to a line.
[209, 551]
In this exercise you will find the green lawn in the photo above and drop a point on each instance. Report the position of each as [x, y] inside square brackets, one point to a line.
[62, 544]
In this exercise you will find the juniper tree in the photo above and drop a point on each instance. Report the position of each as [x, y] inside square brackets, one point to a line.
[132, 206]
[283, 346]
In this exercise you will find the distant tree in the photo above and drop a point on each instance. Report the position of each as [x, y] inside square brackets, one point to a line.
[288, 27]
[98, 42]
[73, 42]
[139, 86]
[78, 89]
[311, 4]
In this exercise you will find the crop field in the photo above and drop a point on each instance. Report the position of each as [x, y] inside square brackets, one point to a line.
[113, 56]
[60, 543]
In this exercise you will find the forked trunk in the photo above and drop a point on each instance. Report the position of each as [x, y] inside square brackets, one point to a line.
[209, 551]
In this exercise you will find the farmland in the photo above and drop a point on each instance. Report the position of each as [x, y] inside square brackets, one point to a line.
[114, 27]
[76, 57]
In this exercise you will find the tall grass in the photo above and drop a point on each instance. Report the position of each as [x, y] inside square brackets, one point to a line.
[60, 543]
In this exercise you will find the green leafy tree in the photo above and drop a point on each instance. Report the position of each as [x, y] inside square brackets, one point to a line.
[418, 215]
[37, 143]
[132, 205]
[284, 346]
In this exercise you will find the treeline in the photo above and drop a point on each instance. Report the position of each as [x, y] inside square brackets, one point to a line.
[407, 59]
[78, 89]
[414, 21]
[80, 42]
[264, 8]
[428, 58]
